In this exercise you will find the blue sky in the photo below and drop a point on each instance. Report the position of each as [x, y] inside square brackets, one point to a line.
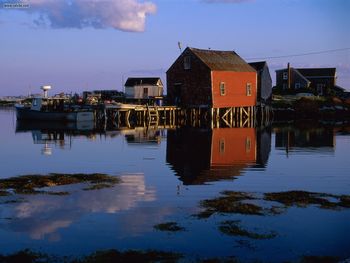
[81, 45]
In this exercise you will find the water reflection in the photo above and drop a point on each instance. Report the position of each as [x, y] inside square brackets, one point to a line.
[123, 216]
[203, 155]
[60, 135]
[304, 137]
[142, 135]
[42, 215]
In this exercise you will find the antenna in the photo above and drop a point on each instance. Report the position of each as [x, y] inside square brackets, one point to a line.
[179, 45]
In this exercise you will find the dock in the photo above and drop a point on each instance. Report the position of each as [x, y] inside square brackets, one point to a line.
[120, 115]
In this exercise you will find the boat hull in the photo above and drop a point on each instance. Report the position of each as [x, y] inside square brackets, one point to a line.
[28, 114]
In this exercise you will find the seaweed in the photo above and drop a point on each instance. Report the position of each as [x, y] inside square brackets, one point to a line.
[219, 260]
[344, 201]
[98, 186]
[29, 256]
[304, 199]
[169, 226]
[4, 193]
[26, 255]
[319, 259]
[28, 184]
[234, 203]
[230, 202]
[130, 256]
[233, 228]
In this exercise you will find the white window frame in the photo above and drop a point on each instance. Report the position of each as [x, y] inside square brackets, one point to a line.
[249, 89]
[285, 75]
[222, 88]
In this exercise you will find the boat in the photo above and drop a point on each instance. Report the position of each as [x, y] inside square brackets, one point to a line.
[52, 109]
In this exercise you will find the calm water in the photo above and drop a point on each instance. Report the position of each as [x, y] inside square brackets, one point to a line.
[165, 174]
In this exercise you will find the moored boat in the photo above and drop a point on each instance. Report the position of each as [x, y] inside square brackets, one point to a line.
[52, 109]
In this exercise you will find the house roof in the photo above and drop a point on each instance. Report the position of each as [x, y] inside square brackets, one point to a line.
[130, 82]
[300, 75]
[314, 72]
[222, 60]
[258, 65]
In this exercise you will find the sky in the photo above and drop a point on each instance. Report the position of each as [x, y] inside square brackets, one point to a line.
[77, 45]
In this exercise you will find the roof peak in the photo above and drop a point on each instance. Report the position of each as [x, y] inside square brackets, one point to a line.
[211, 50]
[221, 60]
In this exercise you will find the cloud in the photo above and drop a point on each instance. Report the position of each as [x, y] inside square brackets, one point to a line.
[43, 215]
[125, 15]
[226, 1]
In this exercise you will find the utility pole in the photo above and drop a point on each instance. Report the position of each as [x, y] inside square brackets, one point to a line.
[288, 68]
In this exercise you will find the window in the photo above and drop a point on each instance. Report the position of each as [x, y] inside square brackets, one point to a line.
[285, 75]
[222, 146]
[248, 144]
[285, 86]
[249, 89]
[297, 85]
[145, 92]
[320, 87]
[187, 62]
[222, 89]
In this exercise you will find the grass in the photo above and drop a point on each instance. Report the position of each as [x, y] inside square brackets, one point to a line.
[28, 184]
[169, 226]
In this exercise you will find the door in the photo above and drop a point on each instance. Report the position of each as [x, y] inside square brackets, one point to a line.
[177, 94]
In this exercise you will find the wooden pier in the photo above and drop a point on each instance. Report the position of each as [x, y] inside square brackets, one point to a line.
[130, 115]
[126, 115]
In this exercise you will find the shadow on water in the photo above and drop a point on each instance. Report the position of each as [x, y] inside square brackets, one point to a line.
[203, 155]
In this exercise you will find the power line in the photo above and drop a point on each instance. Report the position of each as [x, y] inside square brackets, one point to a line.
[304, 54]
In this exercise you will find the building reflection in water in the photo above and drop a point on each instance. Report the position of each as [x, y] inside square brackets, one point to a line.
[305, 138]
[203, 155]
[57, 134]
[54, 134]
[142, 135]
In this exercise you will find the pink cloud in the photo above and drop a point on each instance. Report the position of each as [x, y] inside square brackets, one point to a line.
[125, 15]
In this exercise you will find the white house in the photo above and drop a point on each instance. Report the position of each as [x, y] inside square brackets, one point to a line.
[143, 88]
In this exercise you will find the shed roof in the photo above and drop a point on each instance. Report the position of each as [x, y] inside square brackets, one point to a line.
[258, 65]
[130, 82]
[222, 60]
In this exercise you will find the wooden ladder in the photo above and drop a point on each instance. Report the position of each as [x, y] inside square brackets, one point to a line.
[153, 116]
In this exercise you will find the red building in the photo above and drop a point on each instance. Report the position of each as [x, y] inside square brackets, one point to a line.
[211, 78]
